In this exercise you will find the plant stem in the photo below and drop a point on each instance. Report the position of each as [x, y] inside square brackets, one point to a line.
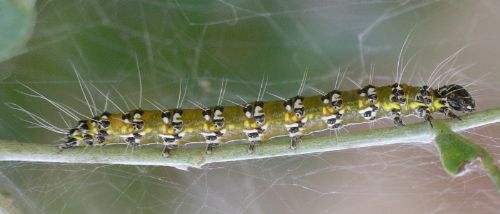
[196, 157]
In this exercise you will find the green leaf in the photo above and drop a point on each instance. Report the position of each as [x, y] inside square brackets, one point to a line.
[457, 151]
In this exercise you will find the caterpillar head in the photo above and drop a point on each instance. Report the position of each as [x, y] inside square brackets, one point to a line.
[459, 98]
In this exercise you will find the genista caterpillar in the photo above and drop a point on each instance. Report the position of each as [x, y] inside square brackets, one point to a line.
[259, 121]
[256, 122]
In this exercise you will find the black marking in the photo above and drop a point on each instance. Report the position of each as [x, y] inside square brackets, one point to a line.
[211, 137]
[254, 138]
[442, 91]
[95, 121]
[336, 99]
[170, 141]
[398, 121]
[218, 119]
[126, 118]
[369, 113]
[370, 92]
[398, 94]
[298, 107]
[165, 116]
[134, 141]
[259, 104]
[138, 112]
[325, 99]
[207, 114]
[337, 104]
[253, 134]
[424, 112]
[88, 139]
[258, 113]
[336, 126]
[218, 133]
[424, 95]
[218, 123]
[333, 121]
[70, 143]
[260, 130]
[137, 121]
[260, 120]
[177, 122]
[82, 126]
[295, 132]
[101, 136]
[247, 110]
[288, 105]
[396, 114]
[104, 122]
[138, 125]
[73, 132]
[219, 108]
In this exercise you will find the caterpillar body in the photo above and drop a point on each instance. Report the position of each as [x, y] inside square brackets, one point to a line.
[260, 121]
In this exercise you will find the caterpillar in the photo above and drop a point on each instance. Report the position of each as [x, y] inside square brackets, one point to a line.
[256, 122]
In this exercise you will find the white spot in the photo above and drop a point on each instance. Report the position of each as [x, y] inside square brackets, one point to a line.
[372, 115]
[248, 114]
[218, 115]
[298, 104]
[258, 111]
[336, 97]
[371, 91]
[177, 118]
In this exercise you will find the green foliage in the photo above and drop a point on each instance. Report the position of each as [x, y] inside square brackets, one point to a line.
[456, 151]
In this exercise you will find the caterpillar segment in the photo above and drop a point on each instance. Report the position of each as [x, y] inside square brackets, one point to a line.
[213, 127]
[423, 102]
[295, 119]
[254, 124]
[332, 109]
[262, 120]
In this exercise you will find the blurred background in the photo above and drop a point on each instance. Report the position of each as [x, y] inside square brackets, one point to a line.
[205, 41]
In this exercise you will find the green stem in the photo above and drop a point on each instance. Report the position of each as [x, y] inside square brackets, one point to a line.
[196, 157]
